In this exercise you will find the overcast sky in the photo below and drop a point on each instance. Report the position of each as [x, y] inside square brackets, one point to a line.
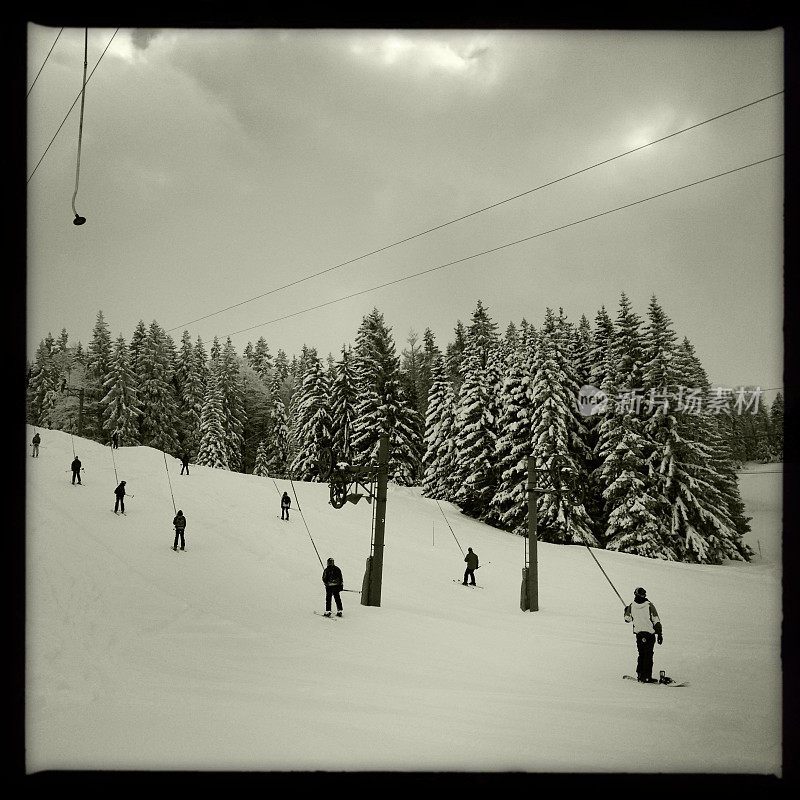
[217, 165]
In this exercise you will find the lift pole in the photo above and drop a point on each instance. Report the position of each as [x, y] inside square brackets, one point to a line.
[529, 595]
[371, 585]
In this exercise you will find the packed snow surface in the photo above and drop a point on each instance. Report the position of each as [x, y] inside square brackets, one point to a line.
[141, 658]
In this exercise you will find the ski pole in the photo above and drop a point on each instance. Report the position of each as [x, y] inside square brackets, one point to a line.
[357, 591]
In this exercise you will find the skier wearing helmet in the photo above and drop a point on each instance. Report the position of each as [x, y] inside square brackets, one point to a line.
[647, 629]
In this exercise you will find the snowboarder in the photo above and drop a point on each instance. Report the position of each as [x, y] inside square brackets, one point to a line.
[472, 565]
[185, 463]
[180, 525]
[35, 442]
[120, 493]
[76, 470]
[115, 440]
[332, 578]
[286, 501]
[647, 629]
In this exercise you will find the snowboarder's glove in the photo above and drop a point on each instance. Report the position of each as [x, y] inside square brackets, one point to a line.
[660, 639]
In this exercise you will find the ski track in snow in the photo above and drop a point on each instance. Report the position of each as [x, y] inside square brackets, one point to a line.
[141, 658]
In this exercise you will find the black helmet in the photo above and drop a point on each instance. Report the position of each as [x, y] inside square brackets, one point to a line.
[640, 592]
[330, 561]
[180, 512]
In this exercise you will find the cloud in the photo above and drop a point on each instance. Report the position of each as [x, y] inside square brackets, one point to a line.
[141, 37]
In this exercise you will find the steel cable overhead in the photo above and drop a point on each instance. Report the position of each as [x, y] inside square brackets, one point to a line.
[43, 63]
[79, 220]
[504, 246]
[479, 211]
[72, 106]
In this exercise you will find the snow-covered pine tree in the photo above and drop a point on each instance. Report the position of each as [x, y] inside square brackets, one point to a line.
[508, 507]
[475, 437]
[41, 391]
[261, 467]
[621, 371]
[278, 442]
[382, 407]
[120, 406]
[192, 391]
[99, 351]
[231, 387]
[343, 404]
[136, 344]
[312, 423]
[776, 422]
[556, 433]
[156, 392]
[697, 474]
[454, 355]
[262, 360]
[213, 451]
[438, 440]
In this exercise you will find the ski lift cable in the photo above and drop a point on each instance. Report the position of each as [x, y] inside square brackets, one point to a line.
[507, 245]
[476, 212]
[79, 220]
[302, 516]
[451, 530]
[114, 462]
[174, 507]
[604, 573]
[71, 107]
[43, 63]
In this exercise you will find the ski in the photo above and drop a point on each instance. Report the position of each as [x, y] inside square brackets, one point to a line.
[473, 585]
[665, 682]
[331, 616]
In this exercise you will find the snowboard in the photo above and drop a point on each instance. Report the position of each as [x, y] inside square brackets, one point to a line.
[473, 585]
[323, 614]
[667, 681]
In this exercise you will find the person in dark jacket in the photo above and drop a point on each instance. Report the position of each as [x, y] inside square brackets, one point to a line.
[286, 501]
[76, 470]
[115, 440]
[35, 442]
[647, 630]
[180, 526]
[185, 464]
[120, 493]
[334, 583]
[472, 565]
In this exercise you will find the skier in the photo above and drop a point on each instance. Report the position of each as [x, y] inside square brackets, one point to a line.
[180, 525]
[115, 440]
[76, 470]
[332, 578]
[35, 442]
[472, 565]
[647, 629]
[286, 501]
[120, 493]
[185, 463]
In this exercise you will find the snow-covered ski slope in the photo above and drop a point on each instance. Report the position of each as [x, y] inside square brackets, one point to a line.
[142, 658]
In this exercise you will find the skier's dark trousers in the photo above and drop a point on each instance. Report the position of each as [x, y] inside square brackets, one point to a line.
[286, 501]
[647, 629]
[76, 470]
[180, 525]
[472, 565]
[185, 463]
[334, 583]
[120, 493]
